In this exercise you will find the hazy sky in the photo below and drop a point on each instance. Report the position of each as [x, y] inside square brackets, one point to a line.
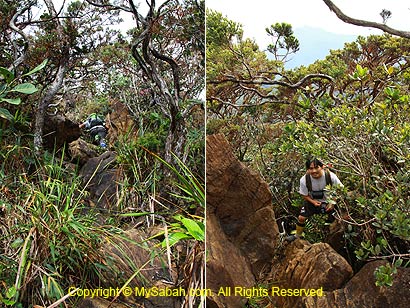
[256, 15]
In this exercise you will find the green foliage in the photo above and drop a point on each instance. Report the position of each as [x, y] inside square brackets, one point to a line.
[220, 30]
[360, 73]
[50, 232]
[359, 122]
[183, 229]
[12, 85]
[384, 274]
[192, 193]
[191, 187]
[284, 42]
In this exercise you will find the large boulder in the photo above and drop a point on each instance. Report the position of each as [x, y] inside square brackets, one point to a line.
[136, 252]
[58, 131]
[120, 123]
[241, 202]
[226, 267]
[81, 151]
[361, 291]
[241, 227]
[102, 180]
[309, 266]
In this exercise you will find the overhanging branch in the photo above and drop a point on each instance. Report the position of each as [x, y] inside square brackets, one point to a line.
[364, 23]
[268, 82]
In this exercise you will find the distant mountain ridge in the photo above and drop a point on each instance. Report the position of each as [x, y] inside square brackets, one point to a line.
[315, 44]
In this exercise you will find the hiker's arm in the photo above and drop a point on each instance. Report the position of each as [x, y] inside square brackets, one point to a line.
[313, 201]
[84, 124]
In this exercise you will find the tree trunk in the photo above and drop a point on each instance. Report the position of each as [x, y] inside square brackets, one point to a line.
[56, 84]
[45, 101]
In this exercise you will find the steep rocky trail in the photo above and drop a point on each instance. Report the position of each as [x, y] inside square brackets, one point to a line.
[102, 177]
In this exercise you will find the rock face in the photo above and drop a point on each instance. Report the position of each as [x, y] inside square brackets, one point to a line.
[102, 179]
[81, 151]
[119, 123]
[241, 226]
[142, 255]
[309, 266]
[127, 255]
[226, 266]
[58, 130]
[241, 201]
[361, 291]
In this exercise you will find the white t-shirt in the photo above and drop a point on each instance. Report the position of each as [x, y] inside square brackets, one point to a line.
[318, 184]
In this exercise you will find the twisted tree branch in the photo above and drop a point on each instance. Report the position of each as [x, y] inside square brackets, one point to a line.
[364, 23]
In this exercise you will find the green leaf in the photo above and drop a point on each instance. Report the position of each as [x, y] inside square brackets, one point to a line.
[11, 292]
[174, 238]
[17, 243]
[25, 88]
[194, 229]
[377, 249]
[8, 76]
[37, 68]
[14, 101]
[9, 302]
[5, 114]
[398, 262]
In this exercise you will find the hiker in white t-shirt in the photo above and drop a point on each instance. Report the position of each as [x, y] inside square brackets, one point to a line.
[312, 188]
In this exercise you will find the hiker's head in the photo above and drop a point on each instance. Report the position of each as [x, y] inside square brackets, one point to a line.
[314, 167]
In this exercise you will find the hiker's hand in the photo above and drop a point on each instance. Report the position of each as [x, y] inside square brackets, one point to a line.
[317, 203]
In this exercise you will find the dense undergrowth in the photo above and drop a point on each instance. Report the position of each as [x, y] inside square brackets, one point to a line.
[51, 235]
[354, 115]
[370, 151]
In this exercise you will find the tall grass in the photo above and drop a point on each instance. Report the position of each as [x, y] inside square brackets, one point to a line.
[179, 212]
[50, 239]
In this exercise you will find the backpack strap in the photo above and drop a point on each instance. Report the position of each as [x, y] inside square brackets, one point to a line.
[328, 178]
[308, 182]
[308, 179]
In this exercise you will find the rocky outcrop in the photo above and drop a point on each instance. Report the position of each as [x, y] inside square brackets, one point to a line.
[102, 180]
[119, 123]
[361, 291]
[124, 256]
[241, 201]
[309, 266]
[81, 151]
[58, 131]
[134, 253]
[241, 227]
[226, 266]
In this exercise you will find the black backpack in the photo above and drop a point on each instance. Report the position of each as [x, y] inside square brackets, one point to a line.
[95, 120]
